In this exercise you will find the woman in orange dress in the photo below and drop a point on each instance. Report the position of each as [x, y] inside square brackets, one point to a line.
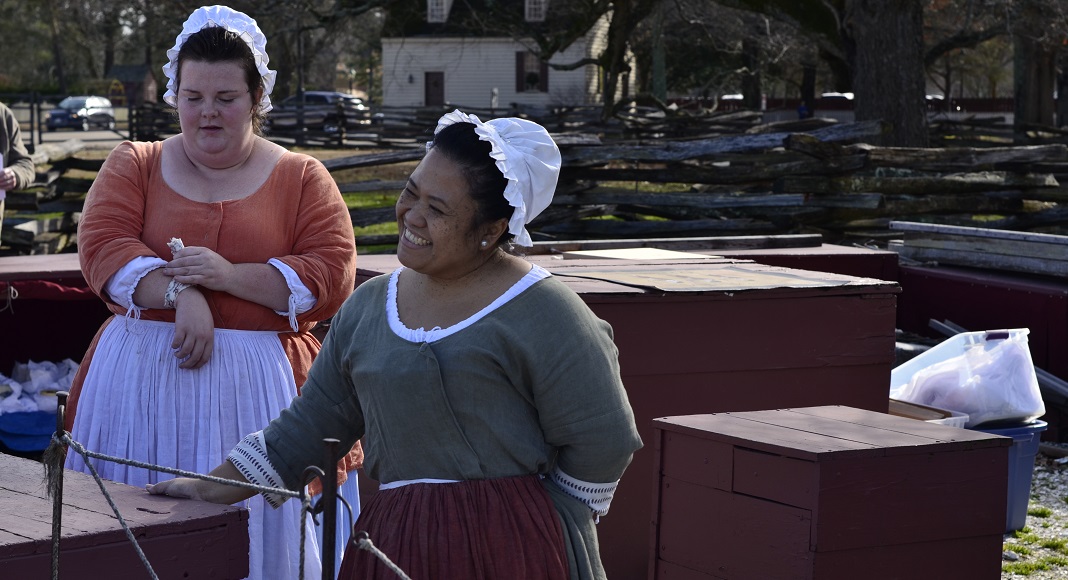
[218, 252]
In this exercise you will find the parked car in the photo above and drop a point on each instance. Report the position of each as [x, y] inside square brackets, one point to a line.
[323, 111]
[82, 112]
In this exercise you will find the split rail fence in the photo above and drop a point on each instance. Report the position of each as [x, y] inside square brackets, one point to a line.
[654, 173]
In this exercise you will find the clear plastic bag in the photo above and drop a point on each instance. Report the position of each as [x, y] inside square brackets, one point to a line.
[993, 381]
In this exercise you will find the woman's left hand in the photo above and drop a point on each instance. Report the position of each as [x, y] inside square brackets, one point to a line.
[194, 329]
[203, 267]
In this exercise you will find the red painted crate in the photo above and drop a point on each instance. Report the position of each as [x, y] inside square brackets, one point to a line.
[48, 312]
[826, 493]
[767, 338]
[760, 339]
[180, 538]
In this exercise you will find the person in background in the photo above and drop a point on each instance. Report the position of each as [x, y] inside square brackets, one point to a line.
[490, 394]
[16, 166]
[218, 252]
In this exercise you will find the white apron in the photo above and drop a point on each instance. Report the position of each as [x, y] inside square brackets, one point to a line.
[144, 407]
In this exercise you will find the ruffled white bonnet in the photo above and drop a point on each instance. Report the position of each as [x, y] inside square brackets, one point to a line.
[237, 22]
[529, 159]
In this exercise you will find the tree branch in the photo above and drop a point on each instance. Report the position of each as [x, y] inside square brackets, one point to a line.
[963, 39]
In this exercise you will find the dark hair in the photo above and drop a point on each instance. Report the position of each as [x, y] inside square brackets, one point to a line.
[214, 44]
[460, 144]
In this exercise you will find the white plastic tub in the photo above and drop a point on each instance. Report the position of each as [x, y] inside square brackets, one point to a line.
[998, 394]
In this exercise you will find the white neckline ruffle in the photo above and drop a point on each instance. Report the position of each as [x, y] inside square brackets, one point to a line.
[421, 335]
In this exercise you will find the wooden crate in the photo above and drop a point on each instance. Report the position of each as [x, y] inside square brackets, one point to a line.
[744, 337]
[51, 314]
[180, 538]
[826, 493]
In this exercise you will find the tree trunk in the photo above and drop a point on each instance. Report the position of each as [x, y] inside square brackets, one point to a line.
[57, 49]
[614, 57]
[808, 83]
[885, 38]
[1034, 66]
[659, 66]
[148, 42]
[111, 33]
[751, 82]
[1062, 90]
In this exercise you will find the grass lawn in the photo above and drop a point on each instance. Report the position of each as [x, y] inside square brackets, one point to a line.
[389, 174]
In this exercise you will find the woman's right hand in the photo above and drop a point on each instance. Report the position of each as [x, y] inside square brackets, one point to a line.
[204, 490]
[194, 329]
[184, 487]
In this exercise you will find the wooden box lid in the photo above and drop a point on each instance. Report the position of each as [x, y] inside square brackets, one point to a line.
[181, 538]
[828, 432]
[866, 479]
[711, 275]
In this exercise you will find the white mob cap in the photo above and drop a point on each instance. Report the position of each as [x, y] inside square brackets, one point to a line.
[529, 159]
[240, 24]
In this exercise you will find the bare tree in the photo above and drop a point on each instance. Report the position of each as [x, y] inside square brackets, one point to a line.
[963, 39]
[307, 38]
[1039, 28]
[24, 30]
[715, 49]
[874, 47]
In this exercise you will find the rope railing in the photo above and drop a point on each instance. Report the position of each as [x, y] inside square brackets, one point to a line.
[54, 457]
[364, 543]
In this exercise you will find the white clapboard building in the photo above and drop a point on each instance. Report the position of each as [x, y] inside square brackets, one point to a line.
[443, 62]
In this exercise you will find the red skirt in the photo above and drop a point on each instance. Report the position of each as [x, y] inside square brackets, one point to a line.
[488, 529]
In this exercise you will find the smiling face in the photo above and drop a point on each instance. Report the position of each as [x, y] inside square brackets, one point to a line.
[215, 110]
[436, 217]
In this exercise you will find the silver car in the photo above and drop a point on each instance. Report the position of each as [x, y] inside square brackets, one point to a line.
[322, 110]
[82, 112]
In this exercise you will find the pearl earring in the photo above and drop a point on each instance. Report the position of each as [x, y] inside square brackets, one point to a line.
[484, 243]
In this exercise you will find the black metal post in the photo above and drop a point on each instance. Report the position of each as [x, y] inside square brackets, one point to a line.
[35, 122]
[57, 496]
[329, 500]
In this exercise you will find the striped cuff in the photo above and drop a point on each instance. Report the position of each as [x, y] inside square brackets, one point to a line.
[250, 458]
[596, 496]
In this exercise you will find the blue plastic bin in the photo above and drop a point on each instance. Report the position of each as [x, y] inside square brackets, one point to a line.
[1021, 465]
[27, 432]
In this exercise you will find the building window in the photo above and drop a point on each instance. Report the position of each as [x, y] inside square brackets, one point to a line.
[536, 10]
[437, 10]
[531, 73]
